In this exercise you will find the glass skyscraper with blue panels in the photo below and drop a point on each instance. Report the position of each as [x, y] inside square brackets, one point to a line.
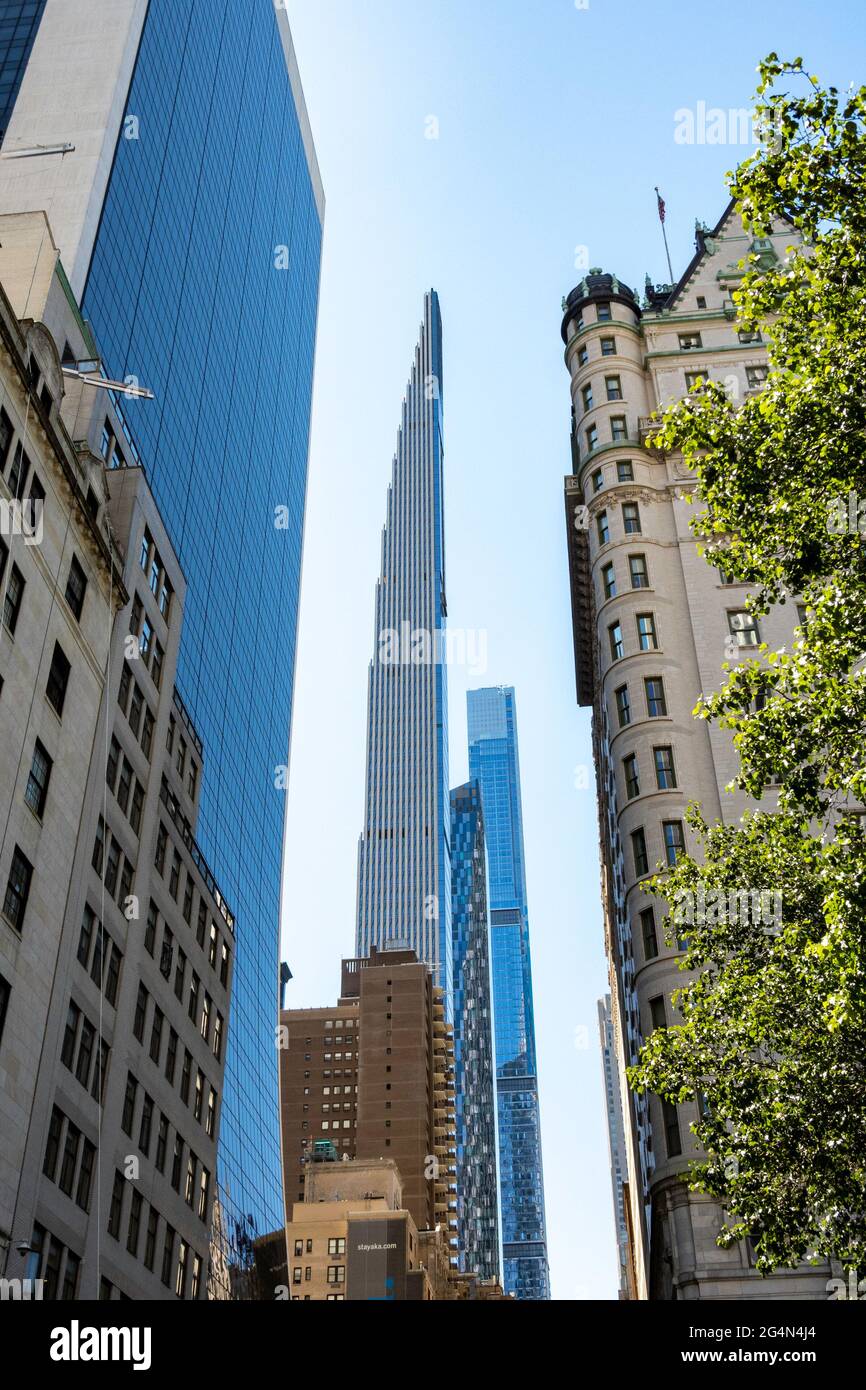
[404, 859]
[195, 246]
[19, 22]
[474, 1062]
[495, 764]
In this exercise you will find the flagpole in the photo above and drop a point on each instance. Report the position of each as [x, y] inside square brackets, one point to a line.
[661, 208]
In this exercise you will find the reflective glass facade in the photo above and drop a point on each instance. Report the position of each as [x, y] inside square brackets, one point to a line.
[494, 762]
[19, 21]
[204, 286]
[474, 1063]
[404, 862]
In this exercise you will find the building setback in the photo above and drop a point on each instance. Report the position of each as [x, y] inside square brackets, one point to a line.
[170, 140]
[479, 1240]
[494, 763]
[653, 624]
[404, 869]
[374, 1075]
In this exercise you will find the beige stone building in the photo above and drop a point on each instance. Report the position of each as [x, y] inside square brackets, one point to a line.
[119, 957]
[653, 624]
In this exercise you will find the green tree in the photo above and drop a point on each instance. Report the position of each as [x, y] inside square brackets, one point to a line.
[773, 1032]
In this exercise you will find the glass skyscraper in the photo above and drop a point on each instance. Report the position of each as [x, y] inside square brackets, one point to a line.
[494, 763]
[478, 1239]
[19, 21]
[404, 867]
[194, 240]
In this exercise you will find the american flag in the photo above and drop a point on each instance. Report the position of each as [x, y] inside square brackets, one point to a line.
[661, 207]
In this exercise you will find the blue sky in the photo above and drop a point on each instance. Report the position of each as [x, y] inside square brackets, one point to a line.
[554, 124]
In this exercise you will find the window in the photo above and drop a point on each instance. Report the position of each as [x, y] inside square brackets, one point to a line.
[602, 528]
[125, 786]
[337, 1246]
[756, 376]
[666, 777]
[174, 876]
[146, 1125]
[675, 844]
[150, 929]
[702, 303]
[336, 1274]
[12, 601]
[37, 782]
[186, 1076]
[134, 1228]
[137, 807]
[204, 1026]
[614, 633]
[689, 341]
[140, 1013]
[623, 706]
[648, 932]
[639, 850]
[598, 480]
[618, 429]
[145, 642]
[587, 397]
[85, 1176]
[192, 779]
[631, 518]
[613, 388]
[646, 632]
[198, 1102]
[177, 1162]
[608, 347]
[128, 1116]
[744, 629]
[4, 1003]
[161, 1143]
[147, 734]
[150, 1241]
[225, 960]
[58, 679]
[191, 1173]
[18, 473]
[657, 1012]
[625, 471]
[672, 1129]
[6, 435]
[161, 843]
[694, 379]
[156, 1034]
[192, 1002]
[591, 438]
[632, 776]
[171, 1056]
[749, 335]
[76, 587]
[167, 1256]
[608, 576]
[602, 313]
[656, 705]
[210, 1126]
[52, 1147]
[116, 1207]
[638, 571]
[218, 1037]
[17, 889]
[157, 664]
[125, 686]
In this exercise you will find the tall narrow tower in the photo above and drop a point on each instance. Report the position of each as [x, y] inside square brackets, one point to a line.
[494, 762]
[404, 869]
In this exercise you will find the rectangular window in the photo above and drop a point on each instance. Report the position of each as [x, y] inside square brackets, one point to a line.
[591, 438]
[70, 1158]
[648, 932]
[76, 587]
[632, 776]
[749, 335]
[623, 706]
[666, 778]
[186, 1076]
[672, 1129]
[618, 428]
[12, 601]
[646, 632]
[638, 571]
[602, 528]
[128, 1116]
[161, 842]
[694, 379]
[116, 1208]
[85, 1176]
[631, 518]
[161, 1143]
[150, 1241]
[147, 734]
[744, 629]
[675, 843]
[150, 929]
[156, 1035]
[756, 376]
[608, 576]
[125, 687]
[608, 347]
[146, 1125]
[182, 1264]
[52, 1147]
[18, 473]
[613, 387]
[657, 1012]
[203, 1194]
[6, 436]
[133, 1230]
[614, 633]
[218, 1037]
[639, 850]
[17, 889]
[36, 793]
[690, 341]
[587, 397]
[656, 704]
[137, 807]
[167, 1256]
[140, 1013]
[598, 480]
[135, 708]
[171, 1056]
[58, 679]
[625, 471]
[602, 313]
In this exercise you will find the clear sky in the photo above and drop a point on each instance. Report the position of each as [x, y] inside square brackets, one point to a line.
[554, 122]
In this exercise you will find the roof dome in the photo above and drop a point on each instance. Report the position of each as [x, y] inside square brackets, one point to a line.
[595, 285]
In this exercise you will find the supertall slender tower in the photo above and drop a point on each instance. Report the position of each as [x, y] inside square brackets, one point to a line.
[404, 868]
[495, 764]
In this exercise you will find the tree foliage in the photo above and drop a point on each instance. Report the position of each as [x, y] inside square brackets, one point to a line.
[773, 1023]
